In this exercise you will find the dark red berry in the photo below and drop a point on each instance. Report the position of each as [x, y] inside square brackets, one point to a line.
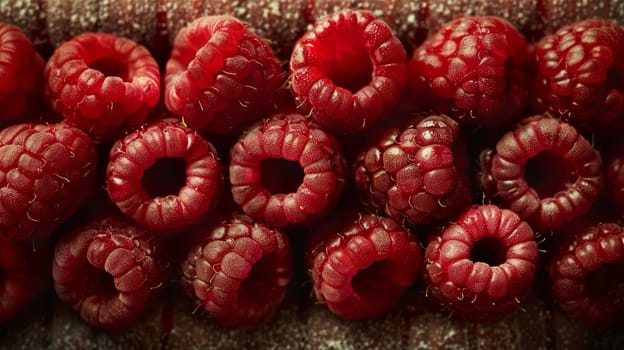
[46, 174]
[221, 77]
[164, 176]
[362, 267]
[586, 274]
[473, 69]
[109, 271]
[580, 75]
[239, 272]
[102, 83]
[484, 264]
[416, 173]
[286, 170]
[348, 71]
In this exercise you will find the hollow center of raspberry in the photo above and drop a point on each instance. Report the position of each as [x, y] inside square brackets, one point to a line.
[166, 177]
[280, 175]
[111, 67]
[259, 286]
[548, 174]
[372, 281]
[99, 282]
[348, 65]
[607, 282]
[490, 251]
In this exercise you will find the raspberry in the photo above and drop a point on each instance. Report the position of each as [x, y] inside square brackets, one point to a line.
[221, 77]
[102, 83]
[416, 173]
[546, 172]
[348, 71]
[23, 273]
[46, 174]
[474, 69]
[586, 274]
[360, 269]
[164, 176]
[108, 270]
[615, 180]
[483, 265]
[286, 170]
[21, 74]
[580, 76]
[239, 272]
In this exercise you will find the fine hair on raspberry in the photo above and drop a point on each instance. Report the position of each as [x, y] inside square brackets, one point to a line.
[185, 184]
[102, 83]
[109, 270]
[483, 265]
[348, 71]
[286, 170]
[221, 77]
[547, 172]
[361, 267]
[239, 273]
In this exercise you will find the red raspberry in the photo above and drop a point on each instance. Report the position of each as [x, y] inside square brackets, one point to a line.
[286, 170]
[417, 173]
[46, 173]
[109, 271]
[239, 272]
[546, 172]
[221, 77]
[580, 75]
[361, 268]
[21, 74]
[473, 69]
[164, 176]
[483, 265]
[586, 274]
[102, 83]
[348, 71]
[23, 273]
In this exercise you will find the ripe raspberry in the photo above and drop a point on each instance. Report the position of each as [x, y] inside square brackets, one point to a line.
[474, 69]
[286, 170]
[23, 273]
[348, 71]
[21, 74]
[239, 272]
[580, 75]
[416, 174]
[164, 176]
[221, 77]
[109, 270]
[46, 173]
[361, 268]
[586, 274]
[483, 265]
[103, 84]
[546, 172]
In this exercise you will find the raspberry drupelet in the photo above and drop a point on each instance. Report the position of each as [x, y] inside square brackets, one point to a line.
[416, 173]
[484, 264]
[475, 69]
[109, 270]
[580, 74]
[286, 170]
[239, 272]
[102, 83]
[362, 264]
[221, 77]
[586, 274]
[24, 273]
[348, 71]
[46, 174]
[164, 176]
[546, 172]
[21, 75]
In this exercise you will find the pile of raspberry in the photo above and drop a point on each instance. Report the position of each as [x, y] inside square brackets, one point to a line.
[471, 169]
